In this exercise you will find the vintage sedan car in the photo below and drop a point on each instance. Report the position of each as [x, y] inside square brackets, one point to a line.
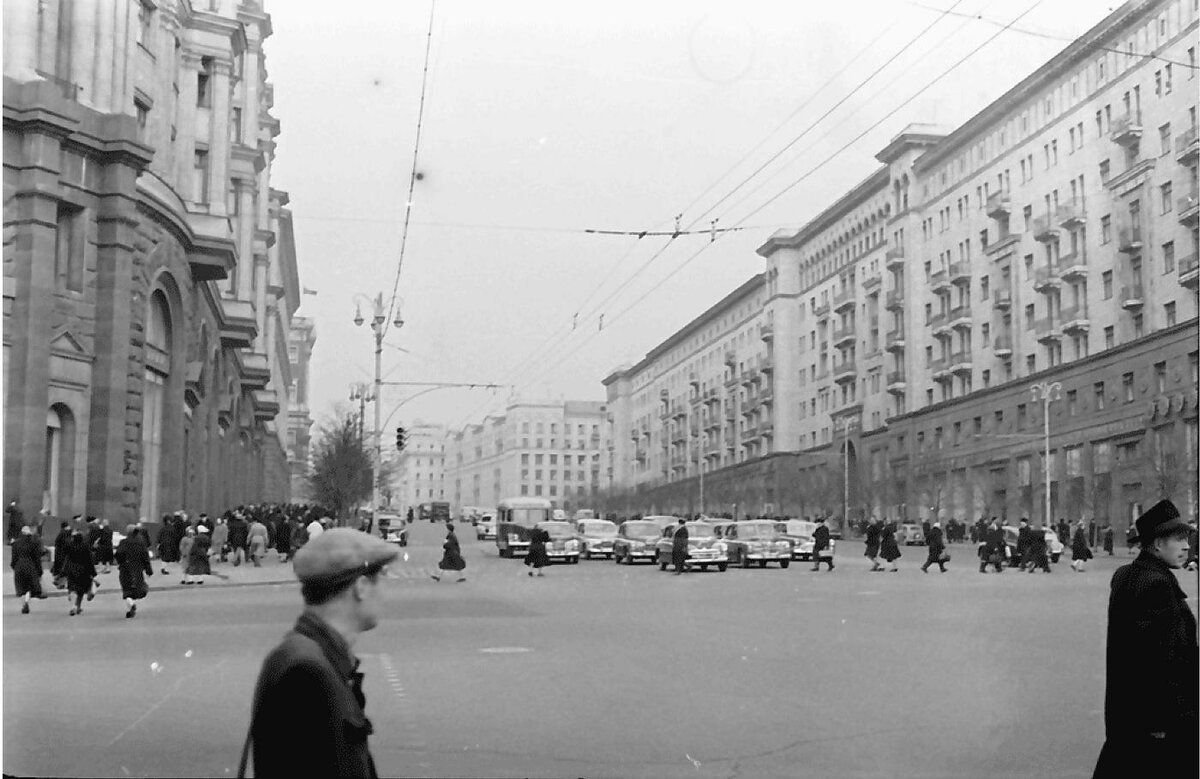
[755, 541]
[800, 533]
[910, 534]
[636, 538]
[1054, 547]
[393, 528]
[595, 537]
[563, 546]
[704, 548]
[485, 526]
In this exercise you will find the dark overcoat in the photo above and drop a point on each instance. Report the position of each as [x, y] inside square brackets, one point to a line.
[104, 545]
[679, 546]
[168, 543]
[1079, 546]
[452, 559]
[1024, 540]
[536, 556]
[133, 566]
[888, 548]
[78, 565]
[820, 539]
[936, 545]
[60, 552]
[26, 564]
[197, 562]
[873, 531]
[309, 715]
[1150, 627]
[1107, 535]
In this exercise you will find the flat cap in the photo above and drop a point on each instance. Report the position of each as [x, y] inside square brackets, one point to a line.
[339, 553]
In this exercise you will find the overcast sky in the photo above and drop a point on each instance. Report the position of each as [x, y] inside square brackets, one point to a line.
[545, 119]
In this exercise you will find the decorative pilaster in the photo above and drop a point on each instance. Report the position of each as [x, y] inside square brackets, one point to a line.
[83, 51]
[185, 143]
[218, 137]
[20, 39]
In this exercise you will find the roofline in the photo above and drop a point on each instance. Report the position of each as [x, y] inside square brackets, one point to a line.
[784, 238]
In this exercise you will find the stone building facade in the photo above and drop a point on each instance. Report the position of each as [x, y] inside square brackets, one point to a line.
[550, 450]
[301, 338]
[149, 268]
[1051, 239]
[418, 472]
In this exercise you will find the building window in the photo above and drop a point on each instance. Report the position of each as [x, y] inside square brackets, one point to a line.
[69, 240]
[204, 83]
[1072, 402]
[1168, 256]
[1160, 377]
[142, 110]
[1106, 279]
[1098, 395]
[200, 176]
[1169, 313]
[1127, 386]
[1021, 416]
[158, 350]
[1165, 195]
[1139, 327]
[1109, 337]
[1031, 363]
[145, 30]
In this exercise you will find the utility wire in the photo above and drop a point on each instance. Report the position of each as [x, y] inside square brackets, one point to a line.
[788, 188]
[412, 175]
[1054, 37]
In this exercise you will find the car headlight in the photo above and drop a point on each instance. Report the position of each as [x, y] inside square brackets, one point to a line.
[638, 545]
[513, 538]
[572, 546]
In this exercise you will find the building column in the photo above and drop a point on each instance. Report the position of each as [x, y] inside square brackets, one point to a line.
[123, 64]
[218, 138]
[104, 55]
[83, 50]
[243, 283]
[21, 39]
[185, 135]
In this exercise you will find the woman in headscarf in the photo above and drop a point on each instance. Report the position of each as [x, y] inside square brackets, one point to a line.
[197, 557]
[1080, 551]
[536, 557]
[452, 559]
[888, 548]
[168, 541]
[133, 565]
[79, 570]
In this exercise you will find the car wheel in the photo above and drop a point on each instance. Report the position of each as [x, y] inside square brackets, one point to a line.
[586, 554]
[722, 566]
[784, 563]
[616, 556]
[703, 567]
[574, 561]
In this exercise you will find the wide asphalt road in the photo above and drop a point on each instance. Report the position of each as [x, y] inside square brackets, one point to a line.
[599, 670]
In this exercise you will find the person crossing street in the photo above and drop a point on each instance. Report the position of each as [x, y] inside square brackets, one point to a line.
[937, 549]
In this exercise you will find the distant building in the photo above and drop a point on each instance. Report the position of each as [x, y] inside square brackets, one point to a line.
[301, 339]
[1052, 238]
[149, 268]
[419, 474]
[550, 450]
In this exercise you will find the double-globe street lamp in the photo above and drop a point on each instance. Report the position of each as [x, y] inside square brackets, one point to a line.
[1047, 392]
[359, 391]
[378, 327]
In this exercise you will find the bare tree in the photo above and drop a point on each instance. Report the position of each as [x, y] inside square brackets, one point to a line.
[341, 473]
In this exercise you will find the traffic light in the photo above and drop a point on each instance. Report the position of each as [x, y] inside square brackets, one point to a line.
[401, 438]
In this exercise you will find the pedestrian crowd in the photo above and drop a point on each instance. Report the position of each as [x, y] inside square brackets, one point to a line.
[86, 547]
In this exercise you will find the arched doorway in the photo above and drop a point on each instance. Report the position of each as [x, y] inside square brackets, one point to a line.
[157, 374]
[58, 482]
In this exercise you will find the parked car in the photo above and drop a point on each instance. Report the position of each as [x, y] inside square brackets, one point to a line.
[636, 539]
[485, 526]
[595, 537]
[1054, 547]
[755, 541]
[393, 528]
[800, 533]
[910, 534]
[704, 548]
[563, 546]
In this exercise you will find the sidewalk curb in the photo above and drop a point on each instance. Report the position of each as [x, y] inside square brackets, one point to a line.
[55, 593]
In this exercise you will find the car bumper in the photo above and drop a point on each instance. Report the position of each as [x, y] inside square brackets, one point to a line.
[706, 559]
[640, 554]
[562, 555]
[769, 556]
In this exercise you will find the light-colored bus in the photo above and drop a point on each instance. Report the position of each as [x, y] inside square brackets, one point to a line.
[515, 517]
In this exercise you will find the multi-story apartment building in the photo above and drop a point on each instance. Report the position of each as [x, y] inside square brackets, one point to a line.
[419, 472]
[301, 338]
[149, 268]
[1048, 242]
[549, 450]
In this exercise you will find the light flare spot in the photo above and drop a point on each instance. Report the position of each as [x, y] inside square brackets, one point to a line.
[188, 654]
[155, 667]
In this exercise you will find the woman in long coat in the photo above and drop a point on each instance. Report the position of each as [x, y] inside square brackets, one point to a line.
[1080, 551]
[60, 554]
[197, 558]
[133, 566]
[168, 541]
[679, 547]
[79, 570]
[536, 557]
[872, 550]
[888, 548]
[452, 559]
[104, 545]
[26, 564]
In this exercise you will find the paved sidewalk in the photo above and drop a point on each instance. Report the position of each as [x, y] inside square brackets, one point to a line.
[272, 571]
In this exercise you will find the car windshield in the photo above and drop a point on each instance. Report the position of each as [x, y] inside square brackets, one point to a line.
[757, 530]
[528, 517]
[641, 529]
[600, 528]
[557, 529]
[699, 530]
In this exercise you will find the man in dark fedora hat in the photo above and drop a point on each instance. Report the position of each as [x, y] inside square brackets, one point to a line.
[1150, 711]
[309, 715]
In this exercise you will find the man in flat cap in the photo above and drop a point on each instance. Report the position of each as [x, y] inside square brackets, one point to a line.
[309, 717]
[1150, 699]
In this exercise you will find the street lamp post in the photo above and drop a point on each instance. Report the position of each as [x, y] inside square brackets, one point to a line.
[378, 319]
[846, 423]
[359, 392]
[1047, 392]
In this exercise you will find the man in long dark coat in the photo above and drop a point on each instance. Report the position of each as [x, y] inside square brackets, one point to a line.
[821, 544]
[60, 550]
[1152, 686]
[1037, 551]
[936, 547]
[874, 528]
[15, 520]
[679, 547]
[133, 565]
[168, 541]
[1024, 537]
[992, 550]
